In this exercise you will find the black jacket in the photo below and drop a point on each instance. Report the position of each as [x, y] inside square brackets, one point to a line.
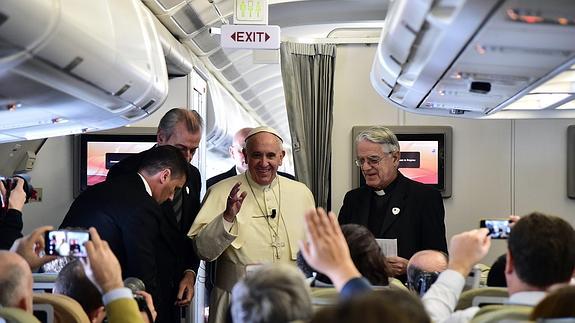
[190, 193]
[419, 224]
[10, 227]
[145, 241]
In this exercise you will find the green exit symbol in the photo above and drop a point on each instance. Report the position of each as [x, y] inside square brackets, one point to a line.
[250, 10]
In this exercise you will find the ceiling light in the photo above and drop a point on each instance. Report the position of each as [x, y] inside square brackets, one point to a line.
[536, 101]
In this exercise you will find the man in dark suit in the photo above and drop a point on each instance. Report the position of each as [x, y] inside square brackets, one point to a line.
[127, 212]
[236, 152]
[182, 129]
[392, 206]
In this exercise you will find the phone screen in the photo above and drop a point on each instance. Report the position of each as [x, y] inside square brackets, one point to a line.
[66, 243]
[498, 228]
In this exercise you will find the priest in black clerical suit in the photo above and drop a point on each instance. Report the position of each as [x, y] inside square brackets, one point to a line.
[392, 206]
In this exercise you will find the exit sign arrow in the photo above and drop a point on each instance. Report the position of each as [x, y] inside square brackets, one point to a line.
[250, 36]
[246, 36]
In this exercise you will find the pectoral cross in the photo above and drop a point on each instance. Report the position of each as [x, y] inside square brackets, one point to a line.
[276, 245]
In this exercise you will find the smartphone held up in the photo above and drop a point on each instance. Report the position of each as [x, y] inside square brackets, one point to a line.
[498, 228]
[66, 243]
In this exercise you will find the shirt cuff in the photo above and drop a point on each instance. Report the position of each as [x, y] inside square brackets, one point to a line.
[228, 225]
[355, 286]
[190, 271]
[453, 279]
[115, 294]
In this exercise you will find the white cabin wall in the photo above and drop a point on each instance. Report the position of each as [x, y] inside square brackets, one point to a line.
[177, 98]
[53, 171]
[541, 161]
[499, 166]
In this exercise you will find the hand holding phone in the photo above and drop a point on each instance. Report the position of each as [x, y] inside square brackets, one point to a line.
[66, 243]
[498, 228]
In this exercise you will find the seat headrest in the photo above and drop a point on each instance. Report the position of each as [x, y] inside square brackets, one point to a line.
[16, 315]
[66, 309]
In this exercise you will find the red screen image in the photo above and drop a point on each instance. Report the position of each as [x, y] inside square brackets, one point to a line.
[102, 155]
[419, 161]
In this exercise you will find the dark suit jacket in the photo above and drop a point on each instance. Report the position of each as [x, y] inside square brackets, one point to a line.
[146, 242]
[419, 224]
[232, 172]
[190, 193]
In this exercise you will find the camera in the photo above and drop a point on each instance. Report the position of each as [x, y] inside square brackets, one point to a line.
[10, 184]
[135, 285]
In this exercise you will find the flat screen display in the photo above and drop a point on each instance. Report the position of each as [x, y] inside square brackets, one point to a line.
[419, 160]
[98, 153]
[424, 155]
[101, 156]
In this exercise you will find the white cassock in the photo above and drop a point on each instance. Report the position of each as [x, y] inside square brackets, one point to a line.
[256, 237]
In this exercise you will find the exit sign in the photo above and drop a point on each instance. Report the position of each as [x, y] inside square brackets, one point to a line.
[252, 12]
[250, 36]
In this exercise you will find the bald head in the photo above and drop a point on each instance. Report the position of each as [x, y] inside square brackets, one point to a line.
[237, 147]
[15, 281]
[240, 136]
[429, 260]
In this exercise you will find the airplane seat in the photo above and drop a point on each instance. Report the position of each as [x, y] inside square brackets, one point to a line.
[395, 283]
[16, 315]
[66, 309]
[323, 297]
[503, 313]
[482, 295]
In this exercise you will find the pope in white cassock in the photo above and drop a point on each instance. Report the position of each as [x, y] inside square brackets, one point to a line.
[261, 225]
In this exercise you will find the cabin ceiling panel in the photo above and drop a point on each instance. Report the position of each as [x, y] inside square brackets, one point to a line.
[258, 87]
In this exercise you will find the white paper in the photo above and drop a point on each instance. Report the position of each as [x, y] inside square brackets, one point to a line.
[388, 246]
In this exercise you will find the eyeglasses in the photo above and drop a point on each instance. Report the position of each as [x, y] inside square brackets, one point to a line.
[371, 160]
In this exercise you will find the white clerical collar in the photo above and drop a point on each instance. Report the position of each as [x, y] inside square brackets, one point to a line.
[261, 187]
[238, 171]
[146, 185]
[380, 193]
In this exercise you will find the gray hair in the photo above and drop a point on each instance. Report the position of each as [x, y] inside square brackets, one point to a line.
[191, 119]
[275, 293]
[380, 135]
[12, 284]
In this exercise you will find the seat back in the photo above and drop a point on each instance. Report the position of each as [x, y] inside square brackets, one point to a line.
[489, 294]
[16, 315]
[66, 309]
[323, 296]
[503, 313]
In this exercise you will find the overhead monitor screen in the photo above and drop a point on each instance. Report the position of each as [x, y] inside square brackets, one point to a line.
[99, 153]
[419, 160]
[424, 155]
[103, 155]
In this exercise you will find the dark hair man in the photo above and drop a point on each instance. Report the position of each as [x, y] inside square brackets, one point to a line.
[181, 128]
[540, 253]
[127, 212]
[72, 282]
[391, 205]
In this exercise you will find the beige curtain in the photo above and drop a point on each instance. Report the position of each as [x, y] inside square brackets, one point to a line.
[307, 73]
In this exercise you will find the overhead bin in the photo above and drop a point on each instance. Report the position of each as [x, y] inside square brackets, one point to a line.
[71, 66]
[479, 59]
